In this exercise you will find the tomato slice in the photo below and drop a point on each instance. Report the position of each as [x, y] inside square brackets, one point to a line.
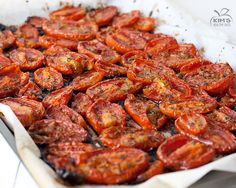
[223, 117]
[7, 39]
[48, 131]
[145, 24]
[214, 78]
[116, 137]
[113, 166]
[177, 57]
[80, 103]
[155, 168]
[200, 102]
[48, 78]
[128, 58]
[27, 36]
[232, 88]
[105, 15]
[126, 19]
[11, 80]
[70, 30]
[60, 96]
[27, 58]
[191, 123]
[68, 13]
[110, 70]
[60, 153]
[125, 40]
[193, 64]
[228, 101]
[157, 45]
[145, 71]
[86, 80]
[104, 32]
[26, 110]
[98, 51]
[64, 113]
[103, 114]
[167, 88]
[31, 91]
[4, 61]
[113, 89]
[181, 152]
[145, 112]
[47, 41]
[36, 21]
[66, 62]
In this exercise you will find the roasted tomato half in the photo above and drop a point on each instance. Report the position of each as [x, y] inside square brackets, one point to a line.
[145, 24]
[7, 39]
[27, 58]
[198, 102]
[27, 36]
[113, 89]
[98, 51]
[70, 30]
[126, 19]
[26, 110]
[30, 91]
[36, 21]
[145, 112]
[103, 114]
[48, 131]
[68, 13]
[115, 137]
[214, 78]
[105, 15]
[48, 78]
[181, 152]
[128, 58]
[112, 166]
[86, 80]
[228, 101]
[145, 71]
[81, 103]
[232, 88]
[102, 34]
[125, 40]
[60, 96]
[4, 61]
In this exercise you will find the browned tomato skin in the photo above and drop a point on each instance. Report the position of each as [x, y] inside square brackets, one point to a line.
[4, 61]
[36, 21]
[30, 91]
[57, 97]
[26, 110]
[136, 161]
[27, 58]
[232, 88]
[81, 103]
[7, 39]
[181, 152]
[48, 78]
[113, 89]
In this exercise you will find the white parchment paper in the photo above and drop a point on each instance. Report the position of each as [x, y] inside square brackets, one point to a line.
[170, 20]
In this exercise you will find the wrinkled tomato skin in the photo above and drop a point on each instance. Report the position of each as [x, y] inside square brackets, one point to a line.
[105, 15]
[81, 103]
[232, 88]
[128, 58]
[180, 152]
[48, 131]
[68, 13]
[113, 89]
[145, 24]
[47, 41]
[228, 101]
[116, 137]
[60, 96]
[146, 113]
[157, 45]
[103, 114]
[155, 168]
[110, 70]
[86, 80]
[4, 61]
[30, 91]
[193, 64]
[27, 58]
[7, 39]
[48, 78]
[26, 110]
[130, 161]
[64, 113]
[104, 32]
[126, 19]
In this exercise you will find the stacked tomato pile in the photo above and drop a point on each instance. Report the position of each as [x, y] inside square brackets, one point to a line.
[111, 102]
